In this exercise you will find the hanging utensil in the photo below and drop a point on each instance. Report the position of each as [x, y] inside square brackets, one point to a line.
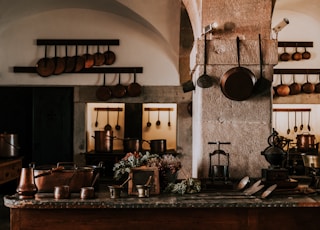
[148, 123]
[306, 54]
[109, 56]
[308, 87]
[98, 58]
[107, 126]
[117, 125]
[96, 123]
[158, 121]
[283, 89]
[295, 122]
[70, 62]
[301, 125]
[169, 123]
[60, 63]
[205, 81]
[45, 66]
[119, 90]
[295, 88]
[309, 127]
[288, 130]
[104, 92]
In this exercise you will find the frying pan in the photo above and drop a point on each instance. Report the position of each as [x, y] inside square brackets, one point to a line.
[285, 56]
[237, 83]
[98, 58]
[205, 81]
[297, 56]
[59, 62]
[109, 57]
[103, 93]
[282, 89]
[119, 90]
[295, 88]
[134, 89]
[317, 86]
[306, 54]
[80, 61]
[89, 59]
[45, 66]
[262, 85]
[70, 62]
[308, 87]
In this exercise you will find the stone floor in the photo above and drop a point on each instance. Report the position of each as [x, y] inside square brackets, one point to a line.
[6, 189]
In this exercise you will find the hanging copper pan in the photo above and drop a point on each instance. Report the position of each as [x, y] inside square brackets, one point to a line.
[119, 90]
[60, 63]
[295, 88]
[70, 62]
[98, 58]
[89, 59]
[109, 57]
[134, 89]
[103, 93]
[238, 83]
[80, 61]
[45, 66]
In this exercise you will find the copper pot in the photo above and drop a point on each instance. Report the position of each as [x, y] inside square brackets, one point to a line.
[132, 145]
[103, 141]
[9, 145]
[305, 142]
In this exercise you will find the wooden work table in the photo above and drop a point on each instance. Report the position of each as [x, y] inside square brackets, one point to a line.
[214, 210]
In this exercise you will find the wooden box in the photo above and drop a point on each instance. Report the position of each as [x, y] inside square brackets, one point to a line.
[140, 175]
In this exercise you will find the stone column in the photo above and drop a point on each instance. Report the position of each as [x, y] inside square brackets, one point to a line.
[246, 124]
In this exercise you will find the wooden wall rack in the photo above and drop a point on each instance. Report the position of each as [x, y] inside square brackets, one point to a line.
[158, 109]
[31, 69]
[114, 42]
[296, 71]
[292, 110]
[109, 109]
[294, 44]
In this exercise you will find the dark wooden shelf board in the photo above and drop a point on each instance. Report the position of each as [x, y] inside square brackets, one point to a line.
[296, 71]
[113, 42]
[295, 44]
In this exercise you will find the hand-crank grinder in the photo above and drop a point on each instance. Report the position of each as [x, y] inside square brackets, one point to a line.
[219, 171]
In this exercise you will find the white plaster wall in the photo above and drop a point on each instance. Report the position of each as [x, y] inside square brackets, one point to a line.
[139, 46]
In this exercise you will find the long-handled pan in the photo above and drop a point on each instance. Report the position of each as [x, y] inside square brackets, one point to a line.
[109, 57]
[205, 81]
[45, 66]
[237, 83]
[60, 63]
[104, 92]
[134, 89]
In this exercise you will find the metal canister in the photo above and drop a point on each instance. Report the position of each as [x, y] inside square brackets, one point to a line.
[9, 145]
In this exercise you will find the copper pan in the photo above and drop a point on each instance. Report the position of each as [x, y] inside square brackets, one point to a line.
[104, 92]
[109, 56]
[119, 90]
[45, 66]
[60, 63]
[134, 89]
[70, 62]
[89, 59]
[80, 61]
[98, 58]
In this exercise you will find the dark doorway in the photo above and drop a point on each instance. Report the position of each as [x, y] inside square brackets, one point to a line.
[43, 119]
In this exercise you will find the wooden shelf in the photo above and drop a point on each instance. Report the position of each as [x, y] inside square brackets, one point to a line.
[114, 42]
[109, 109]
[296, 71]
[30, 69]
[158, 109]
[295, 44]
[292, 110]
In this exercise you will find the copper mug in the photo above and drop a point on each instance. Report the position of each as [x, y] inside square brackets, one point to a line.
[27, 187]
[61, 192]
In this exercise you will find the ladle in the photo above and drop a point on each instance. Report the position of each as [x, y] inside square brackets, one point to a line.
[117, 125]
[158, 121]
[108, 126]
[288, 130]
[169, 123]
[129, 178]
[96, 123]
[301, 125]
[295, 122]
[205, 81]
[309, 127]
[148, 123]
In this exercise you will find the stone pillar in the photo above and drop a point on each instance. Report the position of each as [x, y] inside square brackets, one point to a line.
[246, 124]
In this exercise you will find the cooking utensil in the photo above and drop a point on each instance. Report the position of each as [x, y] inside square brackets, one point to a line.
[262, 85]
[80, 61]
[148, 123]
[169, 123]
[283, 89]
[317, 86]
[309, 127]
[311, 161]
[118, 127]
[158, 123]
[70, 62]
[129, 178]
[131, 145]
[243, 183]
[119, 90]
[297, 56]
[306, 54]
[285, 56]
[157, 146]
[305, 142]
[295, 129]
[308, 87]
[252, 187]
[104, 92]
[107, 126]
[268, 191]
[109, 57]
[45, 66]
[295, 88]
[9, 145]
[89, 59]
[98, 57]
[103, 141]
[205, 81]
[148, 181]
[301, 125]
[59, 62]
[238, 83]
[134, 89]
[96, 123]
[288, 130]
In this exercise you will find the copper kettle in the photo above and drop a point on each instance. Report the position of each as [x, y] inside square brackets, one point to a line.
[27, 187]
